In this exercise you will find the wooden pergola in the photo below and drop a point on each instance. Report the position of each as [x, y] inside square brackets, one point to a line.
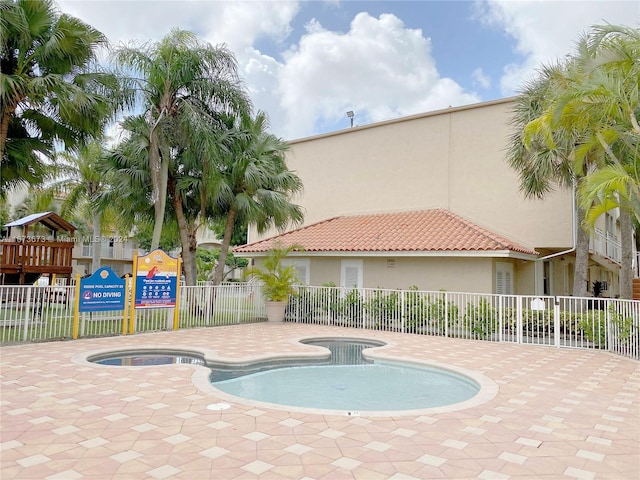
[27, 255]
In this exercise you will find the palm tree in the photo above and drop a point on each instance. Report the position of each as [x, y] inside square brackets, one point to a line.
[83, 179]
[50, 89]
[130, 167]
[252, 183]
[178, 76]
[38, 200]
[600, 99]
[543, 157]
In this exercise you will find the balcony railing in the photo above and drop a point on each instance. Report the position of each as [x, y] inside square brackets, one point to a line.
[605, 245]
[106, 251]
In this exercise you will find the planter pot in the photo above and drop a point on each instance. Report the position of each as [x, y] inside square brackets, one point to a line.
[275, 311]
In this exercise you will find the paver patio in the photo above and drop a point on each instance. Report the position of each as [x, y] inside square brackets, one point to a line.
[559, 413]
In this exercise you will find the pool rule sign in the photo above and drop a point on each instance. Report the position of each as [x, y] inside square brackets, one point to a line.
[156, 277]
[102, 291]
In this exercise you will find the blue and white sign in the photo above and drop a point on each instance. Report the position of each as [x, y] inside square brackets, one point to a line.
[156, 280]
[102, 291]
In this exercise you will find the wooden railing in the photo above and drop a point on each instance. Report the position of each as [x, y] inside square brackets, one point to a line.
[41, 256]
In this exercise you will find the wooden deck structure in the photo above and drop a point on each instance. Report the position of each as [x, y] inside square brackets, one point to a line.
[25, 257]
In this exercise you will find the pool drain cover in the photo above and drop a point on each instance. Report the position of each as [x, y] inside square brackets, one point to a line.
[218, 406]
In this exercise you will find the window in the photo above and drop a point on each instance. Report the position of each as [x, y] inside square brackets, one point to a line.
[302, 268]
[504, 278]
[351, 274]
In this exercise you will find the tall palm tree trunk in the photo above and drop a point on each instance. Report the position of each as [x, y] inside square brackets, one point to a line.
[626, 242]
[97, 244]
[581, 267]
[224, 248]
[4, 129]
[187, 240]
[159, 165]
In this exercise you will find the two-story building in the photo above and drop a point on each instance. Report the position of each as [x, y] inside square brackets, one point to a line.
[430, 201]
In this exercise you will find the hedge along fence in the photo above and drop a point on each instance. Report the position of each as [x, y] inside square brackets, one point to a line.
[34, 313]
[561, 321]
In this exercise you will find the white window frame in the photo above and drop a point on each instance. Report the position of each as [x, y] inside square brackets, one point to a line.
[504, 270]
[303, 268]
[346, 264]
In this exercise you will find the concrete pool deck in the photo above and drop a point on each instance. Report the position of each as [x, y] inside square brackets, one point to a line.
[558, 413]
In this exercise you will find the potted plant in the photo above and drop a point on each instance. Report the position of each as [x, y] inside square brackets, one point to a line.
[277, 280]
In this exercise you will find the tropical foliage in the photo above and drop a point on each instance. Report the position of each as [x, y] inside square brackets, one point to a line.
[252, 183]
[278, 280]
[183, 85]
[543, 157]
[51, 90]
[586, 123]
[82, 178]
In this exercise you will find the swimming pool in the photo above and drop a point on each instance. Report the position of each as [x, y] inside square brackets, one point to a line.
[344, 376]
[349, 381]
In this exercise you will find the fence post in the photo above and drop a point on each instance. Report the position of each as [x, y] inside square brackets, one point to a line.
[609, 328]
[402, 312]
[519, 319]
[500, 317]
[446, 314]
[27, 314]
[556, 321]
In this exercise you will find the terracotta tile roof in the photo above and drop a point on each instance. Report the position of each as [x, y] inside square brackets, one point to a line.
[435, 230]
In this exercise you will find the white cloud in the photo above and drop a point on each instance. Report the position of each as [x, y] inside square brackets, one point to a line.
[546, 31]
[379, 68]
[480, 79]
[236, 23]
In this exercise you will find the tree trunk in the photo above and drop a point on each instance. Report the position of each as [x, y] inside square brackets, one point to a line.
[187, 240]
[224, 247]
[97, 244]
[626, 242]
[581, 267]
[4, 124]
[4, 132]
[159, 171]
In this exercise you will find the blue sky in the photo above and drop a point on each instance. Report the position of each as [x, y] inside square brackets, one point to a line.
[306, 63]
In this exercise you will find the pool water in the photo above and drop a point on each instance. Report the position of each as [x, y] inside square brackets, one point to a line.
[145, 359]
[378, 386]
[344, 379]
[350, 382]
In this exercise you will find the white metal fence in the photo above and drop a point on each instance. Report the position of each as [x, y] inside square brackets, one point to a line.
[600, 323]
[39, 313]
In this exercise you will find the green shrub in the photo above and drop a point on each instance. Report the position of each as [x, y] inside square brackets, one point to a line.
[415, 310]
[442, 312]
[384, 308]
[481, 318]
[594, 326]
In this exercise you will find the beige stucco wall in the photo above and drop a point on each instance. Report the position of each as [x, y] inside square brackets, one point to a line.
[453, 159]
[426, 273]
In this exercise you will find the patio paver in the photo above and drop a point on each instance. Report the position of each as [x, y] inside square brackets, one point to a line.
[559, 413]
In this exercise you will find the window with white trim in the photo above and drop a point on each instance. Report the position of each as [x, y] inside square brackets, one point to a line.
[303, 268]
[351, 274]
[504, 278]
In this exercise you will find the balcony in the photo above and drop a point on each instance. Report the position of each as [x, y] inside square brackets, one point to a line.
[606, 245]
[106, 251]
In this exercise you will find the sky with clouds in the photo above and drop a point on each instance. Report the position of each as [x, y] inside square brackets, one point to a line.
[306, 63]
